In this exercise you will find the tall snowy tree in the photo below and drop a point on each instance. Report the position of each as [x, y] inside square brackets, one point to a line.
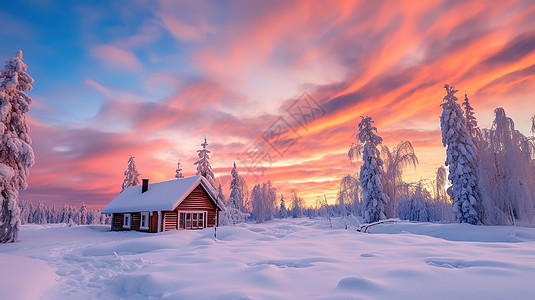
[178, 172]
[374, 199]
[131, 174]
[461, 159]
[235, 189]
[203, 164]
[16, 154]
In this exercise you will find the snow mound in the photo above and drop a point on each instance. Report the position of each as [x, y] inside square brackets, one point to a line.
[356, 284]
[17, 272]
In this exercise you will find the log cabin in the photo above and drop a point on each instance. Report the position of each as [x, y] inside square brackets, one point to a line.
[186, 203]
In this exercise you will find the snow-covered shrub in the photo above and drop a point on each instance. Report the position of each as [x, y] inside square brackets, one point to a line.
[416, 207]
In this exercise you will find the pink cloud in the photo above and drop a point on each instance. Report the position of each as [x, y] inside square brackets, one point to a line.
[116, 57]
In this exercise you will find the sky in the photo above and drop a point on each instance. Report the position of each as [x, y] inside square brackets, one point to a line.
[276, 86]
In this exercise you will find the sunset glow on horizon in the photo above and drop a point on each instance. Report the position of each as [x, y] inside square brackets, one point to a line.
[153, 78]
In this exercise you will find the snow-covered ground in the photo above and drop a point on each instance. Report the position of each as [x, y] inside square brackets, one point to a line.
[281, 259]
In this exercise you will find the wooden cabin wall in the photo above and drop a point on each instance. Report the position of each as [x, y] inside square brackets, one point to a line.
[135, 222]
[198, 199]
[117, 222]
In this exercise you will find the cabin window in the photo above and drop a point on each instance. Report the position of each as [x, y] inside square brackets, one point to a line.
[182, 224]
[126, 221]
[188, 220]
[192, 220]
[144, 220]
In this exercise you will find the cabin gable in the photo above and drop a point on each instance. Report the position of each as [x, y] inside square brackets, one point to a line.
[196, 207]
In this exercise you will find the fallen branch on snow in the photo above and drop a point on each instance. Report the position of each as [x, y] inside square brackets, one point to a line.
[364, 227]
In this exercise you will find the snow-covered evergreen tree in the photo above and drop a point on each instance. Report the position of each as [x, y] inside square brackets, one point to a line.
[283, 212]
[83, 214]
[16, 154]
[461, 159]
[178, 172]
[64, 215]
[235, 189]
[131, 174]
[39, 215]
[232, 214]
[373, 197]
[203, 164]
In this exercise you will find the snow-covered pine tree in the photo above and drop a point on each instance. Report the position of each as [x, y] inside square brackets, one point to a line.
[461, 159]
[39, 215]
[230, 215]
[83, 214]
[203, 164]
[64, 215]
[178, 172]
[16, 154]
[235, 190]
[130, 175]
[52, 214]
[373, 197]
[471, 121]
[283, 212]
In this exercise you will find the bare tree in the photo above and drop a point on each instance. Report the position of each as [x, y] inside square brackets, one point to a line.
[440, 181]
[394, 162]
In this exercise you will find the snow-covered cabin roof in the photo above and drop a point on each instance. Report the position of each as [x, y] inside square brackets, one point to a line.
[165, 195]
